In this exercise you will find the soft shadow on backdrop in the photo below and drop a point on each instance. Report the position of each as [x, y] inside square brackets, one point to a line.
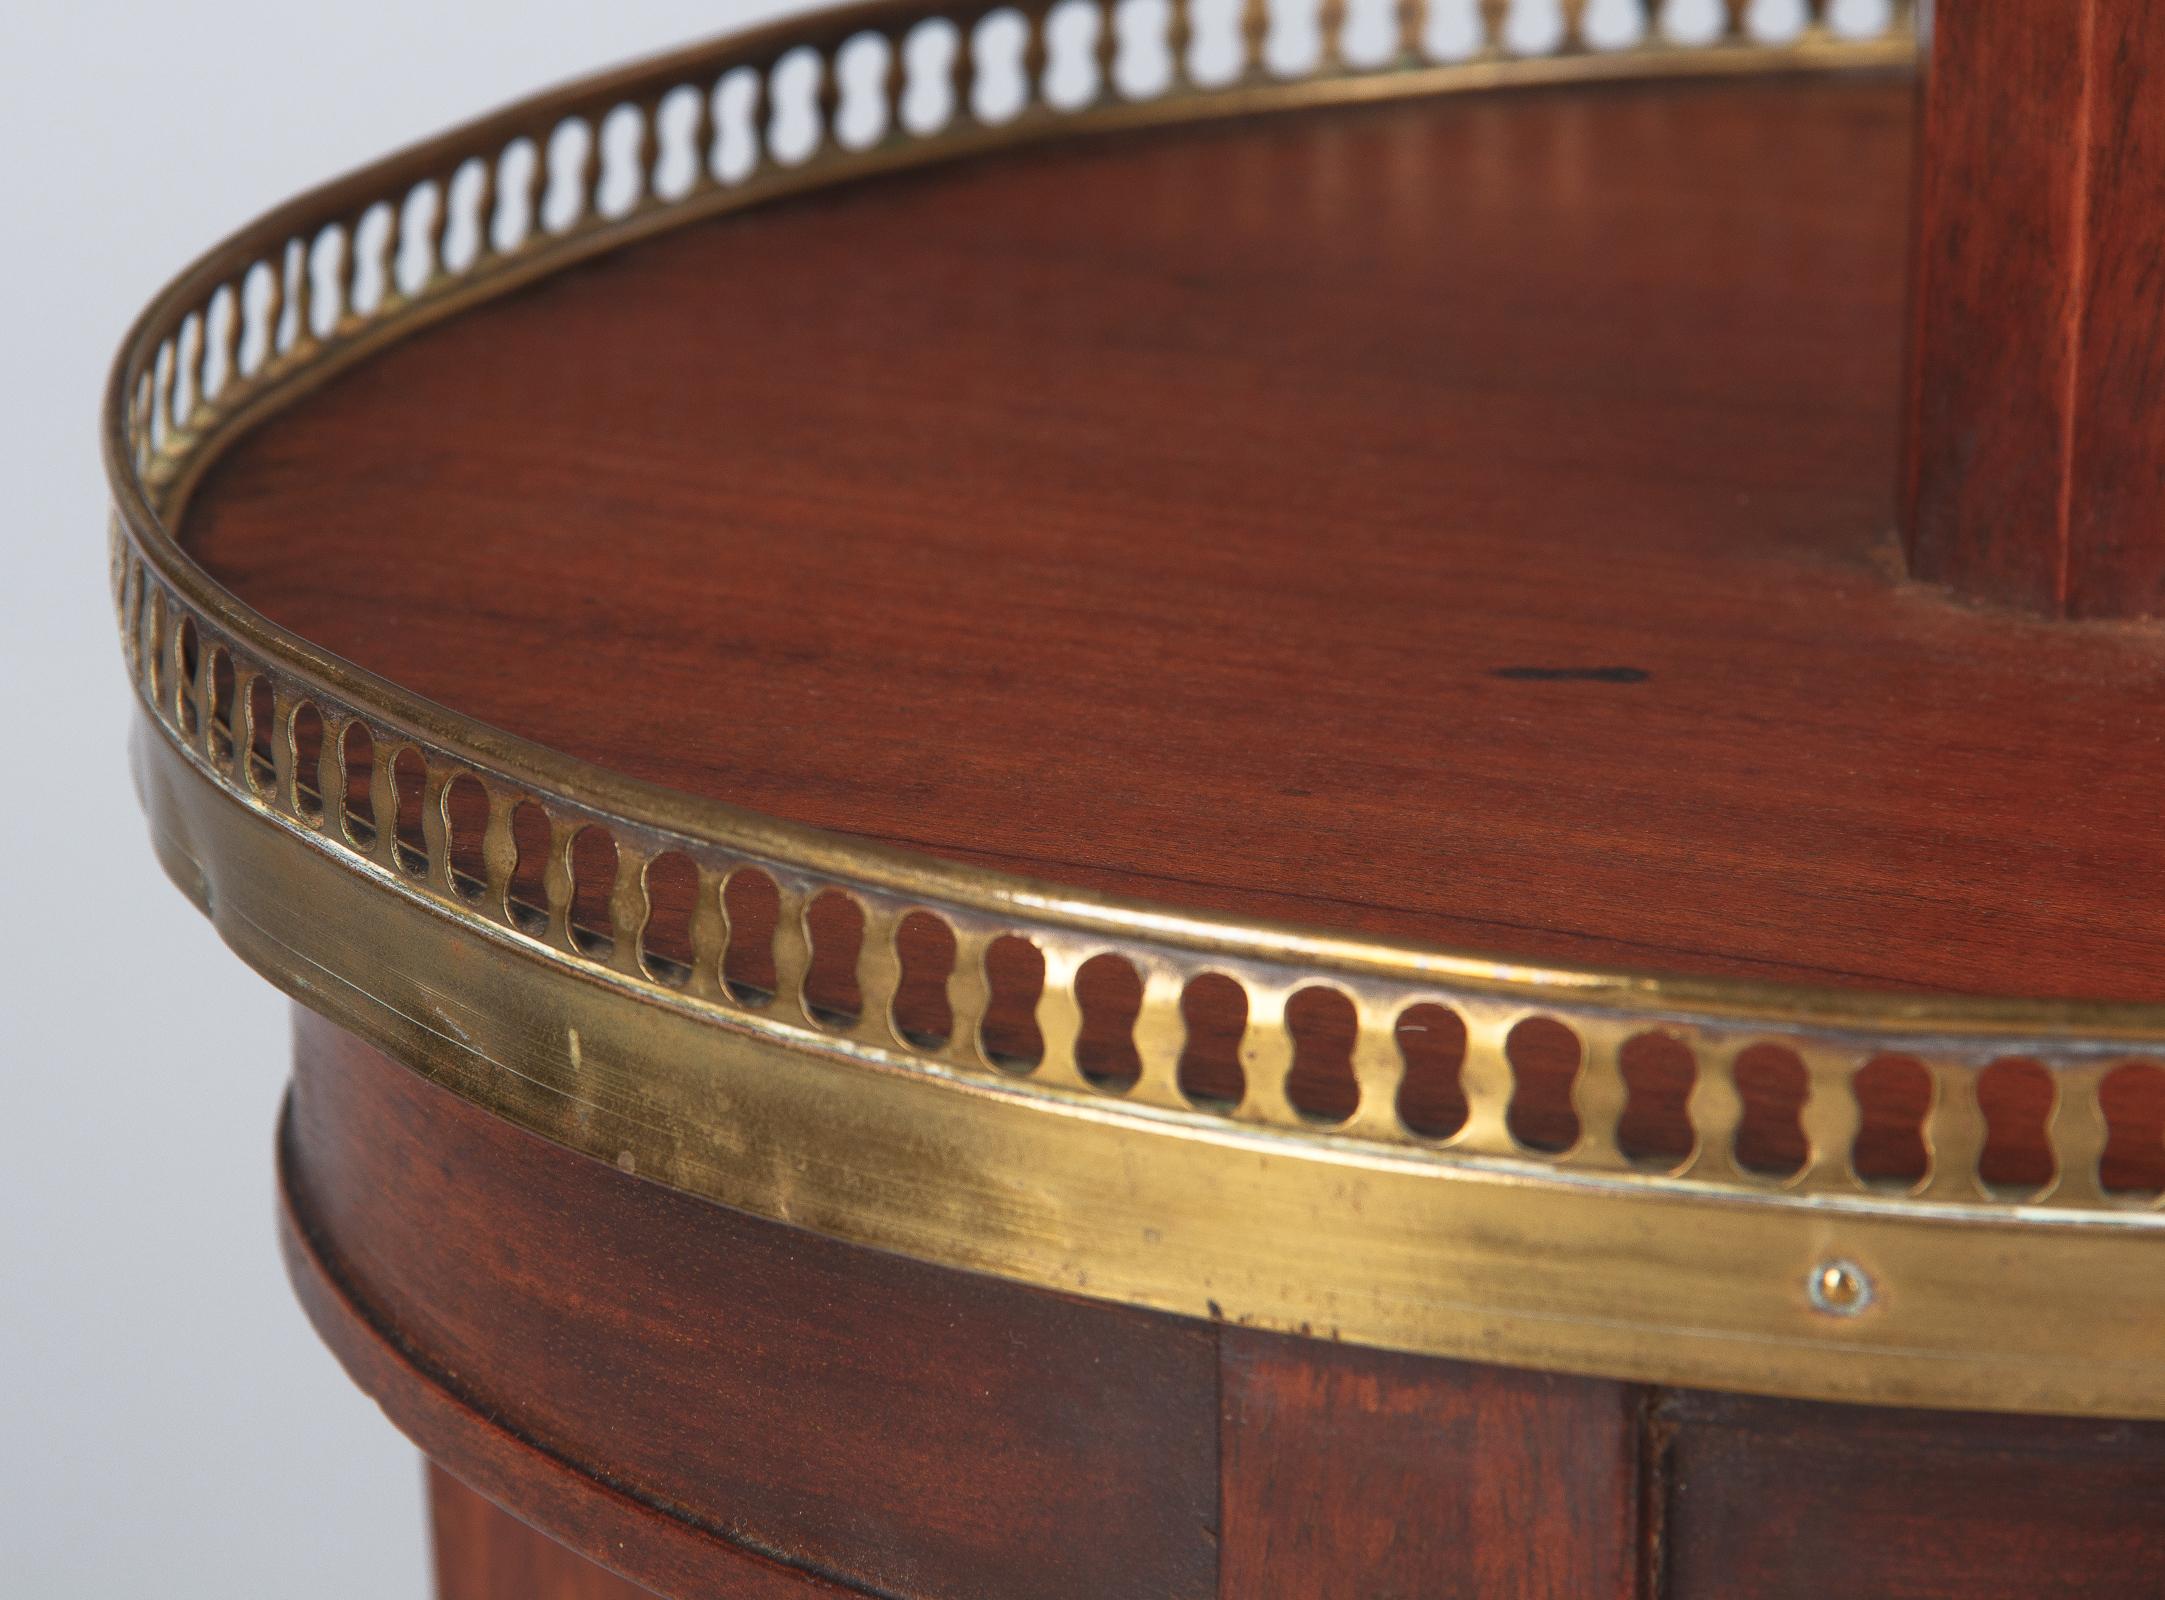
[171, 1425]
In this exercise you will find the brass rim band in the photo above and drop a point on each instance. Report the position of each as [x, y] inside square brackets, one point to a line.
[1691, 1268]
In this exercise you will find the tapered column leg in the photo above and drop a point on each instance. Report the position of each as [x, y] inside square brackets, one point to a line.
[2036, 449]
[483, 1553]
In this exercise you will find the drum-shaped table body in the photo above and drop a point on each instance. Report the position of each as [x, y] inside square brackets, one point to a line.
[1150, 800]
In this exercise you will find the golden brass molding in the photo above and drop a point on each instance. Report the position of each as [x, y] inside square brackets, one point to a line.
[1696, 1270]
[1672, 1280]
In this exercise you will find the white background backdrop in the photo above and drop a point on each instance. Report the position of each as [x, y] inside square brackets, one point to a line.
[168, 1424]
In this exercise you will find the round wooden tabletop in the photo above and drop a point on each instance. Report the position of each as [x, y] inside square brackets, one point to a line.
[1468, 521]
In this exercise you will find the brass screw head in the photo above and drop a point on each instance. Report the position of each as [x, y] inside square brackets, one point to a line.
[1839, 1288]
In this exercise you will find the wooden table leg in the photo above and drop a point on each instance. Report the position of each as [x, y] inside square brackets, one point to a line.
[2033, 472]
[484, 1553]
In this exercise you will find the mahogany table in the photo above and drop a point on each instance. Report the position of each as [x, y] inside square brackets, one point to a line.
[1151, 799]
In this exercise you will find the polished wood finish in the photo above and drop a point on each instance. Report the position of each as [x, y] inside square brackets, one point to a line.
[1140, 1455]
[875, 509]
[605, 1521]
[484, 1553]
[914, 1431]
[1249, 517]
[590, 1515]
[2036, 477]
[1398, 1478]
[1469, 521]
[1783, 1501]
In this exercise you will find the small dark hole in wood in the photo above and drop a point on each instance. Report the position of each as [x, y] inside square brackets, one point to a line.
[1571, 674]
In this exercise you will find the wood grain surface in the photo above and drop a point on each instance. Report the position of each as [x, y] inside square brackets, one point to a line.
[1358, 1472]
[1468, 520]
[1784, 1501]
[819, 1410]
[2037, 454]
[596, 1518]
[483, 1553]
[714, 1406]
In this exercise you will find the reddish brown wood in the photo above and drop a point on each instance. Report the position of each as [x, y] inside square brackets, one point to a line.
[2037, 447]
[740, 513]
[709, 1405]
[1173, 514]
[910, 1430]
[484, 1553]
[1394, 1478]
[1464, 521]
[665, 1551]
[1779, 1500]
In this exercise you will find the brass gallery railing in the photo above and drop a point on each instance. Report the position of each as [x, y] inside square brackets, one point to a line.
[483, 832]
